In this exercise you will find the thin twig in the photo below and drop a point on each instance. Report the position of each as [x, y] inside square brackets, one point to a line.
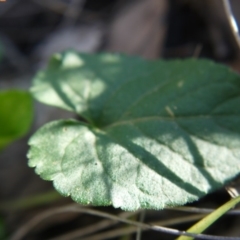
[93, 228]
[141, 219]
[75, 208]
[202, 210]
[129, 230]
[232, 21]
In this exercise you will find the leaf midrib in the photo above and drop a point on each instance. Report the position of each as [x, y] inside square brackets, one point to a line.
[163, 118]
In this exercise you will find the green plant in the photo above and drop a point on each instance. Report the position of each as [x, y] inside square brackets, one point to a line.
[16, 114]
[207, 221]
[152, 134]
[16, 110]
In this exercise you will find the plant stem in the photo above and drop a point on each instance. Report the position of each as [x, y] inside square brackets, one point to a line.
[207, 221]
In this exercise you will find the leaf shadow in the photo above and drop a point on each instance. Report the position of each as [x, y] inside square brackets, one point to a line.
[127, 138]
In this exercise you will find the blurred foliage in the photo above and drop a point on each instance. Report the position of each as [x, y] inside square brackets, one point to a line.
[16, 109]
[2, 229]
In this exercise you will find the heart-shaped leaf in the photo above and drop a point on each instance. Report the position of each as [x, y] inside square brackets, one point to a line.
[16, 114]
[158, 133]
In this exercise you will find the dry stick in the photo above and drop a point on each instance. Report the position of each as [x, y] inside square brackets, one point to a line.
[48, 197]
[75, 208]
[202, 210]
[93, 228]
[141, 219]
[124, 231]
[231, 21]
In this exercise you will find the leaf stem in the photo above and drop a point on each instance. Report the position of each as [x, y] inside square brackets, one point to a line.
[203, 224]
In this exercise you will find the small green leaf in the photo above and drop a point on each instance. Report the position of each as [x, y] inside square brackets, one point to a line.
[159, 133]
[16, 113]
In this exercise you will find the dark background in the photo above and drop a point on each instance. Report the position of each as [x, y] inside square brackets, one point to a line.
[32, 30]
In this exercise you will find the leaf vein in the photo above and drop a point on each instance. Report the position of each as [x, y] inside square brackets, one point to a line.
[201, 138]
[225, 101]
[161, 118]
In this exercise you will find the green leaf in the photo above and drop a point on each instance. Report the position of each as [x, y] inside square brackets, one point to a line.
[16, 113]
[158, 133]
